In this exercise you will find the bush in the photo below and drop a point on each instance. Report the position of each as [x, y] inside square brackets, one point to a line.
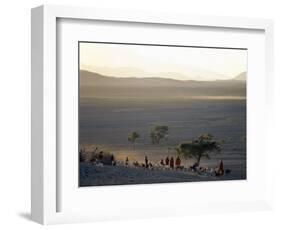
[102, 157]
[95, 156]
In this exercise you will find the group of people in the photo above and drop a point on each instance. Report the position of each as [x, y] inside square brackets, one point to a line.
[171, 162]
[219, 171]
[146, 163]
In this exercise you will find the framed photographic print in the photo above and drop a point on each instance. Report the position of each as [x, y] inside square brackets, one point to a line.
[159, 113]
[148, 110]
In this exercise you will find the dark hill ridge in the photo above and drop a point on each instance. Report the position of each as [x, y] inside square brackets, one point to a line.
[96, 85]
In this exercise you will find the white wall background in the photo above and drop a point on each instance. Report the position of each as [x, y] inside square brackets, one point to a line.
[15, 112]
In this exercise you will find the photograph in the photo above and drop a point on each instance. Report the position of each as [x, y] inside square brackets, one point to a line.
[159, 113]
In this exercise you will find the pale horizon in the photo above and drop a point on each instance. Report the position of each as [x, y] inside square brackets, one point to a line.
[179, 63]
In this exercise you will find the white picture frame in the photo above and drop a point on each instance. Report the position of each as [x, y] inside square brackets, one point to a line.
[45, 90]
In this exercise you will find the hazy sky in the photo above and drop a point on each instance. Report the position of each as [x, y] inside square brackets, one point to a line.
[182, 63]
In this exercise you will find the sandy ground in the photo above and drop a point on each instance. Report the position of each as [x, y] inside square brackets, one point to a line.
[93, 175]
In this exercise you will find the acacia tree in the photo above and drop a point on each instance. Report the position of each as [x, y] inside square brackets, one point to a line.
[199, 148]
[158, 133]
[133, 137]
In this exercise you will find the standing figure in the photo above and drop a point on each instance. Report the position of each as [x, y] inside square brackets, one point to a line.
[146, 161]
[127, 161]
[178, 162]
[167, 161]
[100, 156]
[162, 162]
[221, 169]
[172, 163]
[113, 163]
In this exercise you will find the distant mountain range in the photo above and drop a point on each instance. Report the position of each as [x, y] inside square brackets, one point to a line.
[241, 77]
[97, 85]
